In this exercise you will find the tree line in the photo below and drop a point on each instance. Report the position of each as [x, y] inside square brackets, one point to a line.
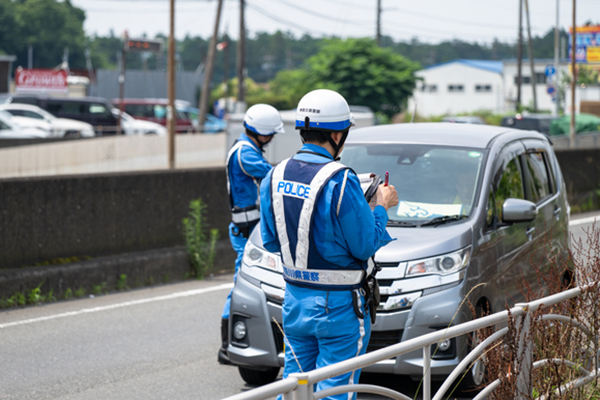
[50, 27]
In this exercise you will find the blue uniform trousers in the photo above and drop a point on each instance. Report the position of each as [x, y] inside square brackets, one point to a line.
[321, 328]
[238, 243]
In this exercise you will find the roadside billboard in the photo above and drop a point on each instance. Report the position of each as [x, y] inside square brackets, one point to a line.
[41, 80]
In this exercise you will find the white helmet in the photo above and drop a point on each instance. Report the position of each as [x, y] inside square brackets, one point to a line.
[323, 110]
[263, 119]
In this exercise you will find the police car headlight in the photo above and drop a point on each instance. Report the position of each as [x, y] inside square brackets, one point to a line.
[441, 265]
[254, 256]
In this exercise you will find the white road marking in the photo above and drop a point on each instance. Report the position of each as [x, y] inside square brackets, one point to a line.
[171, 296]
[582, 221]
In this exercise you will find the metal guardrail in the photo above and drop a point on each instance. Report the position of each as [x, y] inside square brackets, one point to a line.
[300, 386]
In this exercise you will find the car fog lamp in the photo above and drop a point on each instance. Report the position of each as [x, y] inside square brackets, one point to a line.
[444, 345]
[239, 330]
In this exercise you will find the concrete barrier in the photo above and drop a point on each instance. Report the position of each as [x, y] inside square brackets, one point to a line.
[111, 154]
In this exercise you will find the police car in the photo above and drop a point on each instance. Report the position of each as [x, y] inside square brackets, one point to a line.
[476, 204]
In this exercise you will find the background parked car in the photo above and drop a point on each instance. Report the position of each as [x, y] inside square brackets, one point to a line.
[211, 125]
[9, 129]
[533, 122]
[93, 110]
[155, 110]
[61, 127]
[477, 204]
[132, 126]
[24, 122]
[464, 119]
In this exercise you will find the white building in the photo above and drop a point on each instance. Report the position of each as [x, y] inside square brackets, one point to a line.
[463, 86]
[459, 86]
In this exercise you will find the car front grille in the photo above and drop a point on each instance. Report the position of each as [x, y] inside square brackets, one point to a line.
[381, 339]
[277, 336]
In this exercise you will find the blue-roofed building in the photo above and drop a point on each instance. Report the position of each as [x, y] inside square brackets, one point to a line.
[460, 86]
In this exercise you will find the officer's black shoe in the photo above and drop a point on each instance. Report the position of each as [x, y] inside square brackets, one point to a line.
[223, 357]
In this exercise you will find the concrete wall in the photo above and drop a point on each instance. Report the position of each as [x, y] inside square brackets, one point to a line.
[111, 154]
[105, 214]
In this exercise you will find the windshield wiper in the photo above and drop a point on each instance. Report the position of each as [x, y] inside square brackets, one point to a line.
[444, 219]
[396, 222]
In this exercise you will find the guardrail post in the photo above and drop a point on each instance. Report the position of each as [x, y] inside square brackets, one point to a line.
[304, 391]
[427, 372]
[524, 353]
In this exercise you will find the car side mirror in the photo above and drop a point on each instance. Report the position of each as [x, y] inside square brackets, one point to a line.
[518, 210]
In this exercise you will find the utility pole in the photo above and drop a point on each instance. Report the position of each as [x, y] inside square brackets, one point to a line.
[519, 57]
[530, 52]
[574, 81]
[208, 72]
[171, 87]
[556, 64]
[378, 37]
[122, 81]
[241, 55]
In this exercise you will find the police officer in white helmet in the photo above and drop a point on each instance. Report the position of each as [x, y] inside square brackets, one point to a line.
[314, 213]
[246, 167]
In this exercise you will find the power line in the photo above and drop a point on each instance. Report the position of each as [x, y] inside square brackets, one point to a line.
[281, 20]
[317, 14]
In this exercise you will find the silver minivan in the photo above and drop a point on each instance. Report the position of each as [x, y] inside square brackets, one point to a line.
[478, 205]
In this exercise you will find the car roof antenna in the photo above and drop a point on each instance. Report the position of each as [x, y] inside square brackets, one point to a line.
[412, 119]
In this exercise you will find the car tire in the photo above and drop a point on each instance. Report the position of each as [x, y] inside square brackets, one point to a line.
[73, 134]
[472, 383]
[258, 377]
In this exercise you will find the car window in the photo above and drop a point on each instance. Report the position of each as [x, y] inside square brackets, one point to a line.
[538, 183]
[160, 111]
[31, 114]
[431, 180]
[510, 186]
[98, 109]
[3, 126]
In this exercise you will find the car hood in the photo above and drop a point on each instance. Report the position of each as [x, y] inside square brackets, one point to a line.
[31, 122]
[415, 243]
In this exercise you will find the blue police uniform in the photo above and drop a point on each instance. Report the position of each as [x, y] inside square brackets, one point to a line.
[246, 166]
[314, 213]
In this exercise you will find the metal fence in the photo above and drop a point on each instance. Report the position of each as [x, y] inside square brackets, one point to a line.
[300, 386]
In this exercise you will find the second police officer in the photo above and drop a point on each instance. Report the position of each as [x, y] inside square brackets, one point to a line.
[314, 213]
[245, 167]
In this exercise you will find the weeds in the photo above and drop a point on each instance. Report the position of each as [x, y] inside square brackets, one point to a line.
[122, 282]
[562, 351]
[201, 253]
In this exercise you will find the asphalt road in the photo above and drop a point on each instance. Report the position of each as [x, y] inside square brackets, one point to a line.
[155, 343]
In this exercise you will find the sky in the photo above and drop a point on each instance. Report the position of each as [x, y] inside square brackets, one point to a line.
[430, 21]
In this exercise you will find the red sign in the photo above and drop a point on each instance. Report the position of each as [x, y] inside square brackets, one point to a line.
[45, 80]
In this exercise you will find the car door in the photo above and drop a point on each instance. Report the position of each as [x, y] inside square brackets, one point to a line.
[102, 117]
[512, 243]
[541, 189]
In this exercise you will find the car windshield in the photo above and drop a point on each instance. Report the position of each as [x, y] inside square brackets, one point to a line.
[435, 184]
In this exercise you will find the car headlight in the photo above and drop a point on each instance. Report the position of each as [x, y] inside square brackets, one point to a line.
[254, 256]
[441, 265]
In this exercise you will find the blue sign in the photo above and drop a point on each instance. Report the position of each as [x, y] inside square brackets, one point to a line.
[550, 89]
[550, 70]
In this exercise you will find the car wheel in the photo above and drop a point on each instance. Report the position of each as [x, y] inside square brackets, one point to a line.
[475, 376]
[72, 134]
[258, 377]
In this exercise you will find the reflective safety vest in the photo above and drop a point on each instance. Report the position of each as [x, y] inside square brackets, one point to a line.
[295, 188]
[247, 216]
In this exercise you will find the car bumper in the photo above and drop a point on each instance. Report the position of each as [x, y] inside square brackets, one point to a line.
[263, 344]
